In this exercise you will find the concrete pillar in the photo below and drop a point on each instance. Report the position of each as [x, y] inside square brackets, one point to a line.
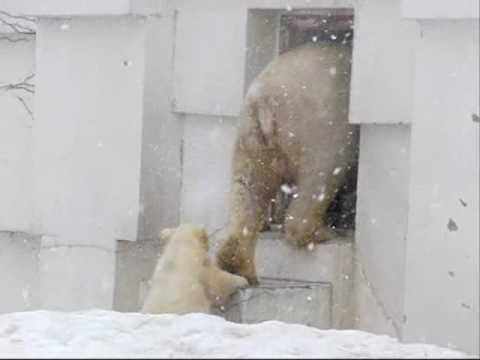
[86, 153]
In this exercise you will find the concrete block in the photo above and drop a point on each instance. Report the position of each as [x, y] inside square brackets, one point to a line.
[329, 262]
[135, 263]
[382, 76]
[297, 302]
[370, 313]
[18, 271]
[382, 211]
[76, 277]
[213, 83]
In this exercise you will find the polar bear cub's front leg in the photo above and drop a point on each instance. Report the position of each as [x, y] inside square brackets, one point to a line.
[220, 284]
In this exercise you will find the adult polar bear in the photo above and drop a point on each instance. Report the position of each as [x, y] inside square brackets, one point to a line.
[294, 129]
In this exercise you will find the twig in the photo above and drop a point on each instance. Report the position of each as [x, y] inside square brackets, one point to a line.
[25, 105]
[21, 85]
[13, 22]
[9, 39]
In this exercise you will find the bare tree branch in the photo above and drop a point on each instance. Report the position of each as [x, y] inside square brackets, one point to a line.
[23, 85]
[25, 105]
[24, 25]
[13, 40]
[12, 26]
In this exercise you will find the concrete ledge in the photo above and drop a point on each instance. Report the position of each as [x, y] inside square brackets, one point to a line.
[324, 262]
[438, 10]
[81, 7]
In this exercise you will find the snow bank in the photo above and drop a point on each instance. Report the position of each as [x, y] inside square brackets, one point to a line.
[99, 333]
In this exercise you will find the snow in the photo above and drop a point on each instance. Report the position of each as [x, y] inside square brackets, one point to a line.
[99, 333]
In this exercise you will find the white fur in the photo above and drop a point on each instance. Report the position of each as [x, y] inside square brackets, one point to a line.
[185, 280]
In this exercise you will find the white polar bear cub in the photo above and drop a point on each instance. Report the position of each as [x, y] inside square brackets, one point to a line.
[185, 280]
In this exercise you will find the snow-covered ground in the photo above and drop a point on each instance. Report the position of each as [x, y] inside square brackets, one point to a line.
[99, 333]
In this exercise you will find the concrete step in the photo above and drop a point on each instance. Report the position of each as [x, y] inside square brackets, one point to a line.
[311, 286]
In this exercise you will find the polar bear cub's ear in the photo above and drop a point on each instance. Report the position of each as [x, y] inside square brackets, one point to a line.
[167, 233]
[201, 234]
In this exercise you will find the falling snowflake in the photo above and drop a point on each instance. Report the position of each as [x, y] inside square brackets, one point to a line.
[337, 171]
[286, 189]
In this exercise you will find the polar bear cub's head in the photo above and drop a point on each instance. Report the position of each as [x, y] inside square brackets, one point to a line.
[190, 234]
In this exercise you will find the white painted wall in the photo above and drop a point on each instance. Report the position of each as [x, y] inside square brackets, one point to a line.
[441, 290]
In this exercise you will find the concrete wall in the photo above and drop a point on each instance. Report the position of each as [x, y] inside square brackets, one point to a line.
[86, 153]
[17, 54]
[207, 152]
[418, 198]
[213, 83]
[19, 272]
[381, 221]
[443, 247]
[417, 210]
[161, 170]
[18, 249]
[383, 64]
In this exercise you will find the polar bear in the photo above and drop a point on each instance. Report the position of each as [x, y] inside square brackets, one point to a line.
[293, 130]
[185, 280]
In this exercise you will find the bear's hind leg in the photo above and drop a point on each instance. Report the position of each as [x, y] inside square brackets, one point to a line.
[237, 254]
[305, 219]
[255, 183]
